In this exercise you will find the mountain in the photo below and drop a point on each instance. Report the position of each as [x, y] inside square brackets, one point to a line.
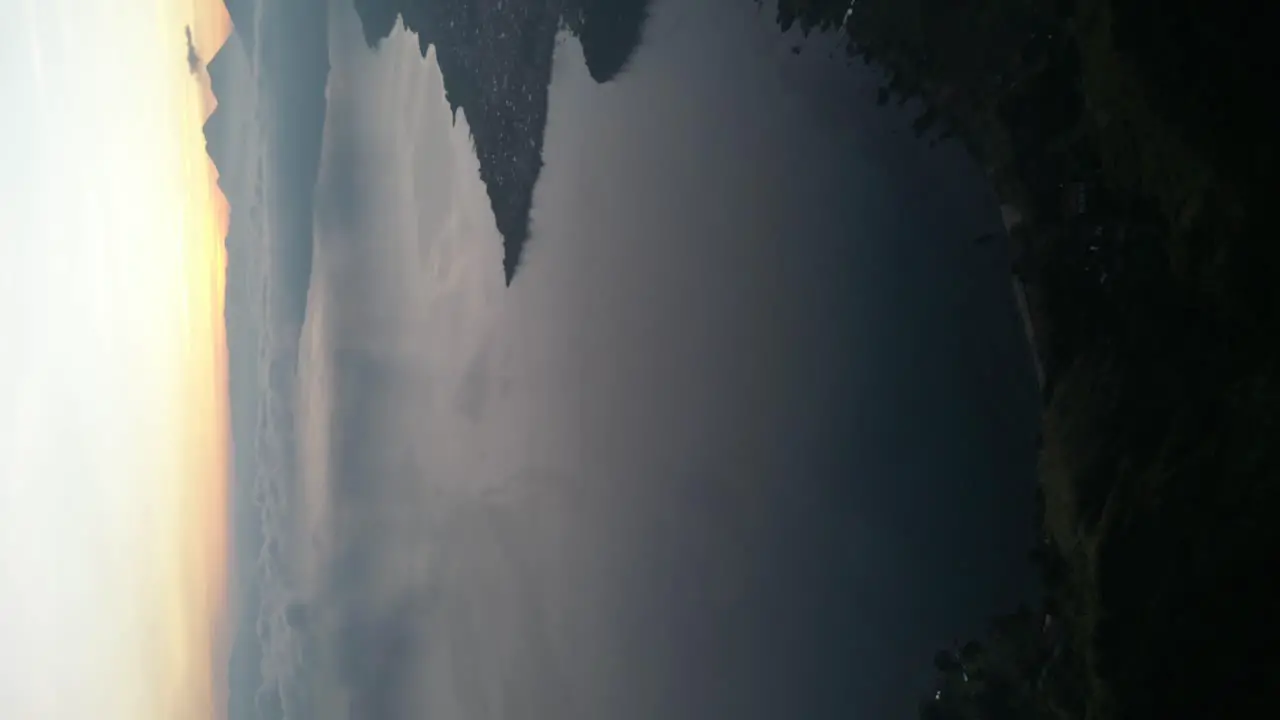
[495, 57]
[228, 71]
[242, 19]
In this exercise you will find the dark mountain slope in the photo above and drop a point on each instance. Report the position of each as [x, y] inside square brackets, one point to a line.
[610, 31]
[242, 19]
[495, 58]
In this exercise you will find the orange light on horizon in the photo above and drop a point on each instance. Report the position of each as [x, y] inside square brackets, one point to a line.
[115, 448]
[204, 571]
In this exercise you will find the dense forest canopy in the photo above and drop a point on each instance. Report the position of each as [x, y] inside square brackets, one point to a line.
[1134, 140]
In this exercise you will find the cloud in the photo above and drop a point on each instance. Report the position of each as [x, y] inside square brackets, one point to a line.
[263, 337]
[237, 141]
[194, 63]
[358, 463]
[268, 276]
[381, 653]
[476, 386]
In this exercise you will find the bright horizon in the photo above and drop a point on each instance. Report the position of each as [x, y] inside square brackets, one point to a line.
[114, 443]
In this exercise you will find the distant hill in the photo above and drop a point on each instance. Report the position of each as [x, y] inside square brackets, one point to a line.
[242, 19]
[495, 58]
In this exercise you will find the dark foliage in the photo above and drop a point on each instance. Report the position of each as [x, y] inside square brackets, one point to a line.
[610, 31]
[1136, 141]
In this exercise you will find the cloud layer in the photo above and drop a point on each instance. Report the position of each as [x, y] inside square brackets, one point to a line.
[348, 558]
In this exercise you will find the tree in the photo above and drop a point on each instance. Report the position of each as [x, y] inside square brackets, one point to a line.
[924, 121]
[946, 661]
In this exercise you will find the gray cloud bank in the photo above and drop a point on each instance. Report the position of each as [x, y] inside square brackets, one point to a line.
[258, 139]
[340, 608]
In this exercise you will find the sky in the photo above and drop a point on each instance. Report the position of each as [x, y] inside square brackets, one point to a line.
[751, 435]
[114, 437]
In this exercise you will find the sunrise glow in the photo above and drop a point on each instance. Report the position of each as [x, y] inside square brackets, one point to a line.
[114, 445]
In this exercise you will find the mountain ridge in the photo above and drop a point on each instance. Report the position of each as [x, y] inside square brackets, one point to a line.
[495, 58]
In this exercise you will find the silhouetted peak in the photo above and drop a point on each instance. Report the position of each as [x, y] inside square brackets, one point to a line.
[510, 265]
[215, 133]
[495, 60]
[242, 20]
[378, 18]
[610, 32]
[219, 79]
